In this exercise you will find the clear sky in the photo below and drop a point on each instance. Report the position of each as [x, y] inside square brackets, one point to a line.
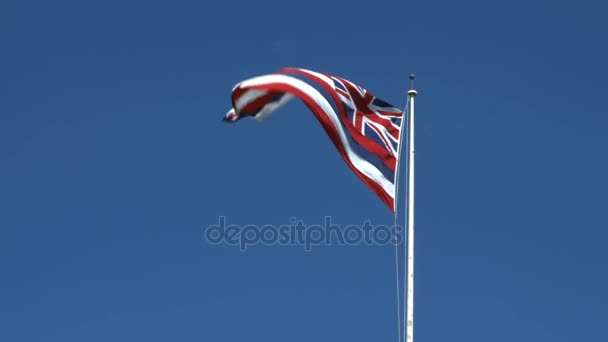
[114, 160]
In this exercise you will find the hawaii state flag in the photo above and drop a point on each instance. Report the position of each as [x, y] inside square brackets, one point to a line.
[365, 130]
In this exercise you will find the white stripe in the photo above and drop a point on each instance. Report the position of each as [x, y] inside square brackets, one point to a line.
[384, 109]
[359, 163]
[388, 119]
[270, 107]
[324, 78]
[247, 97]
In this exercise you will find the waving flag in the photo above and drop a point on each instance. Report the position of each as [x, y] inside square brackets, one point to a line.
[364, 129]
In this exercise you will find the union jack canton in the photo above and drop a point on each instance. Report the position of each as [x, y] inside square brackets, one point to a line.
[365, 130]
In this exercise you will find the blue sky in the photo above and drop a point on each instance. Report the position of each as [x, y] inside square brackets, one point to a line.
[113, 161]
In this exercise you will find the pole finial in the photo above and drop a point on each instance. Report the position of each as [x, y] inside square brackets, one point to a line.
[412, 91]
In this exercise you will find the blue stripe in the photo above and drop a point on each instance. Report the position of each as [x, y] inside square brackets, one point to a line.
[339, 84]
[387, 106]
[394, 143]
[370, 133]
[356, 147]
[350, 113]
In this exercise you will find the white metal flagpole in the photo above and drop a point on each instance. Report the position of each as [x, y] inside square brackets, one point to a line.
[409, 329]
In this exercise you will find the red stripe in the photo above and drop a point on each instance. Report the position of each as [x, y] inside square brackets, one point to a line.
[332, 132]
[391, 114]
[236, 93]
[359, 121]
[343, 93]
[258, 103]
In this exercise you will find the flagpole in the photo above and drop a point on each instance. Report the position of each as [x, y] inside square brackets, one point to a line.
[409, 335]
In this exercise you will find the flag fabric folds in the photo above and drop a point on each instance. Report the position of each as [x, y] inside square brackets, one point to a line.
[365, 130]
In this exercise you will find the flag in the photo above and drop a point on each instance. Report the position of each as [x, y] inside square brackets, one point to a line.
[365, 130]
